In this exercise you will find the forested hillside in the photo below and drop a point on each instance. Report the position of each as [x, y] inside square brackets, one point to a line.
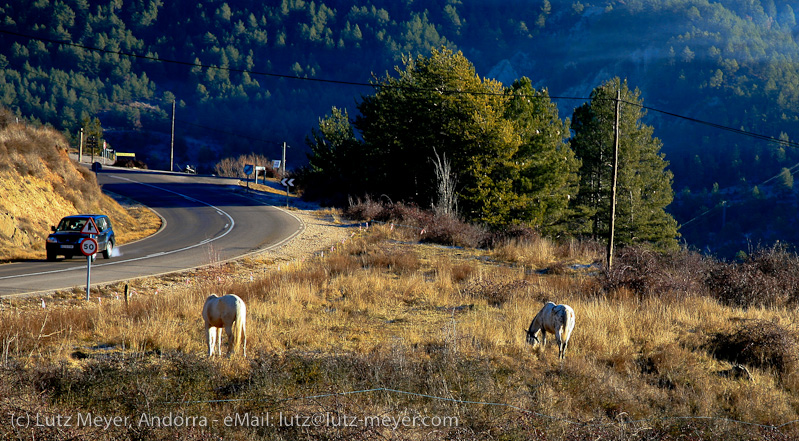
[731, 64]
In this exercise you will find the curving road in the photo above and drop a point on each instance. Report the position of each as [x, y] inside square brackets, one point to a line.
[206, 220]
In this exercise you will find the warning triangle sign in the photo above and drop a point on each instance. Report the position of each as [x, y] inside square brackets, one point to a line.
[90, 227]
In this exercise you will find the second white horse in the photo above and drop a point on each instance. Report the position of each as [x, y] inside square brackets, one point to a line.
[555, 319]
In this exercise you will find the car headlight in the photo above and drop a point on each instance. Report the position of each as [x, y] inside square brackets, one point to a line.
[51, 239]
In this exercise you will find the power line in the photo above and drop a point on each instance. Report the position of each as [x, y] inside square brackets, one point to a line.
[762, 137]
[158, 112]
[791, 169]
[179, 62]
[741, 132]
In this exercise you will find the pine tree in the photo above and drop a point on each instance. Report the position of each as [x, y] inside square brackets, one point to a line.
[644, 184]
[547, 175]
[337, 164]
[439, 104]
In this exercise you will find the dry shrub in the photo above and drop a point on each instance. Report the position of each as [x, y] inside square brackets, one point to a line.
[7, 117]
[364, 210]
[496, 290]
[448, 230]
[434, 228]
[513, 233]
[770, 277]
[646, 272]
[757, 343]
[234, 167]
[533, 252]
[454, 272]
[398, 261]
[339, 263]
[462, 271]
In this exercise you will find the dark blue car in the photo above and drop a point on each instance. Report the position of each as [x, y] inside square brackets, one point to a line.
[66, 237]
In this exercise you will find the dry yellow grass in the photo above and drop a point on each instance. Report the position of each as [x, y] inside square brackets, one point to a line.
[380, 312]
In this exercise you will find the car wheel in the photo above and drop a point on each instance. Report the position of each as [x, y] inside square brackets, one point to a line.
[109, 249]
[51, 257]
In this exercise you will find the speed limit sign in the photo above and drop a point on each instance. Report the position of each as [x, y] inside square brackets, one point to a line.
[88, 246]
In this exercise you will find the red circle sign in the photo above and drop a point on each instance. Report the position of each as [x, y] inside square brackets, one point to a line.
[88, 246]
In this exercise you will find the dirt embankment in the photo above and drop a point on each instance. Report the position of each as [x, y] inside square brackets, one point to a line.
[40, 184]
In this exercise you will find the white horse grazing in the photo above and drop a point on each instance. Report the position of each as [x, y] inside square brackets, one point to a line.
[229, 312]
[555, 319]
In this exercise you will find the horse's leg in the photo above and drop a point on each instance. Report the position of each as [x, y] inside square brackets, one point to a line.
[209, 338]
[218, 342]
[561, 346]
[230, 340]
[244, 339]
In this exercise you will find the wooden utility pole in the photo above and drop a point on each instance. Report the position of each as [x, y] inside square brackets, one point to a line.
[283, 162]
[80, 147]
[172, 143]
[615, 177]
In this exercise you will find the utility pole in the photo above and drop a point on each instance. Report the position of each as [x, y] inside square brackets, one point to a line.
[283, 162]
[80, 147]
[615, 177]
[283, 172]
[172, 143]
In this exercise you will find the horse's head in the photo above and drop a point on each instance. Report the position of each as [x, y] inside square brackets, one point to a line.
[531, 337]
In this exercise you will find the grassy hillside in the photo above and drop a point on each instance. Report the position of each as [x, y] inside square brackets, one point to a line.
[384, 326]
[39, 184]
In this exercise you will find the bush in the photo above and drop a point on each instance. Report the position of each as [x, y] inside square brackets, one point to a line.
[757, 343]
[646, 272]
[234, 167]
[443, 229]
[496, 291]
[769, 277]
[514, 232]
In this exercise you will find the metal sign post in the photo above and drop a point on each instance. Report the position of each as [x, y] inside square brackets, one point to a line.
[88, 276]
[89, 248]
[287, 183]
[248, 169]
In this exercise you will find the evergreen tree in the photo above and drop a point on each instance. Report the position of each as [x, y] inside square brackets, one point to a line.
[337, 164]
[438, 103]
[644, 185]
[547, 175]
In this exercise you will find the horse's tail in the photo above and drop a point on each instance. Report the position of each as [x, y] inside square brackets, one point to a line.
[240, 327]
[568, 322]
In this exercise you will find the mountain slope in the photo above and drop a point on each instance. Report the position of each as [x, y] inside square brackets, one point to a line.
[246, 75]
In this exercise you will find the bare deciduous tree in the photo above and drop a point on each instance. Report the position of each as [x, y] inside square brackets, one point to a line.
[447, 199]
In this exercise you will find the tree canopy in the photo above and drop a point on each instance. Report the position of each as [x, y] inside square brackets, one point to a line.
[507, 146]
[644, 184]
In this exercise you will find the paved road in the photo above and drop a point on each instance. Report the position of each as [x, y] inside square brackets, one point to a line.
[206, 220]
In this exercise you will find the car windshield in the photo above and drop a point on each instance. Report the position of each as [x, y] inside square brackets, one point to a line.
[71, 224]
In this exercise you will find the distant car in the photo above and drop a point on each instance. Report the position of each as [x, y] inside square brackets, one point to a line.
[66, 236]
